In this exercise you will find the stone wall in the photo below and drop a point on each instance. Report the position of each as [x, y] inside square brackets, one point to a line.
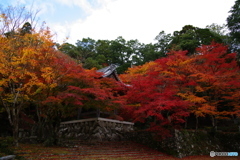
[94, 129]
[188, 143]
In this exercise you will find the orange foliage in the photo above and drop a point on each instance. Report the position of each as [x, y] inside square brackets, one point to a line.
[204, 84]
[32, 70]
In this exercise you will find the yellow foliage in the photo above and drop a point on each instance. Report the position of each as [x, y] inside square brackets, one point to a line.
[141, 69]
[167, 73]
[183, 95]
[2, 81]
[136, 71]
[209, 109]
[48, 74]
[26, 60]
[199, 89]
[53, 85]
[198, 113]
[191, 98]
[186, 62]
[237, 110]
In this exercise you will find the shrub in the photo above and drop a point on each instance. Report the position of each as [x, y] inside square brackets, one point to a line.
[5, 146]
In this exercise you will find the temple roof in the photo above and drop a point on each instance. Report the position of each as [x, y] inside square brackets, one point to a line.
[107, 71]
[110, 71]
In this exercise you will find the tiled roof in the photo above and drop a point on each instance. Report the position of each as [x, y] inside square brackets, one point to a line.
[111, 70]
[107, 71]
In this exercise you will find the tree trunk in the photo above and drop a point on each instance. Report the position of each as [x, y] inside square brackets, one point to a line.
[185, 125]
[213, 121]
[196, 122]
[13, 112]
[16, 131]
[14, 115]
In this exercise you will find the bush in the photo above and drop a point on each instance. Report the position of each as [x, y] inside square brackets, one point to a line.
[5, 146]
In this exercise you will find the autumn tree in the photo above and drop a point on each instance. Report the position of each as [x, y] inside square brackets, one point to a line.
[34, 72]
[31, 68]
[18, 51]
[77, 88]
[211, 77]
[55, 75]
[218, 79]
[168, 89]
[152, 97]
[23, 73]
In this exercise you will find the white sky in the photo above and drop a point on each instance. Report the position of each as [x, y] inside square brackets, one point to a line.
[131, 19]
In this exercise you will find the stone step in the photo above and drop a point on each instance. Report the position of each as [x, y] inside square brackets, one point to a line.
[125, 150]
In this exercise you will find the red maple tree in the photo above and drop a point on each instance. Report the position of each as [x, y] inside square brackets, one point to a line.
[167, 90]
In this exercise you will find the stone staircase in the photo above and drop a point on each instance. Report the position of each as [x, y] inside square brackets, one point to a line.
[101, 138]
[113, 150]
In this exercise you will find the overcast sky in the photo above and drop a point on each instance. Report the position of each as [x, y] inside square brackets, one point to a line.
[131, 19]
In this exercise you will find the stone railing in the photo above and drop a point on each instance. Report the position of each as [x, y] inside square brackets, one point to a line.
[94, 129]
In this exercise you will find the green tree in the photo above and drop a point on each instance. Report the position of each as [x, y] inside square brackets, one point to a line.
[91, 53]
[234, 26]
[220, 31]
[148, 53]
[84, 52]
[69, 49]
[186, 39]
[103, 50]
[86, 49]
[26, 29]
[191, 37]
[92, 63]
[163, 41]
[118, 51]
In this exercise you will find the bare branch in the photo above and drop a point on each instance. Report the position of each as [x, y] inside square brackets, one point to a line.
[12, 18]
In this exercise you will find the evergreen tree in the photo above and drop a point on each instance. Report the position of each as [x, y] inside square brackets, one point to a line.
[233, 23]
